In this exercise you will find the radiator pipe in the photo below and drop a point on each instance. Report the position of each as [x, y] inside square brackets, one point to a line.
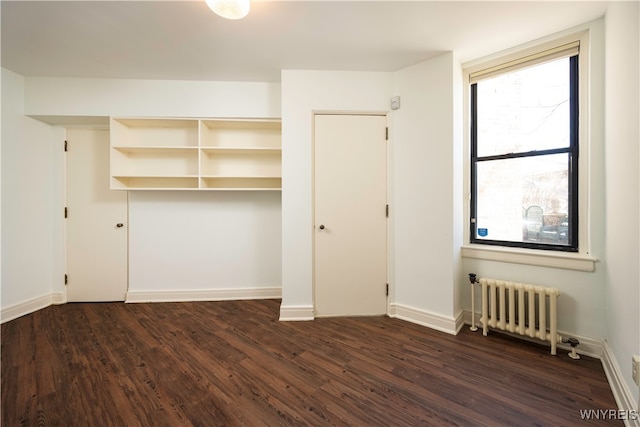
[473, 280]
[573, 342]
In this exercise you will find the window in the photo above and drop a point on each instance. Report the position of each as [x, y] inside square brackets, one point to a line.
[524, 152]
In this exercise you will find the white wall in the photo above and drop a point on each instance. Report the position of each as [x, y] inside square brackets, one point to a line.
[31, 206]
[426, 198]
[425, 148]
[581, 311]
[603, 305]
[176, 249]
[204, 245]
[304, 92]
[622, 153]
[46, 96]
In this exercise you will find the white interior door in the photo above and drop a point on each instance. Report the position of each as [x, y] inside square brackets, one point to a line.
[96, 223]
[350, 229]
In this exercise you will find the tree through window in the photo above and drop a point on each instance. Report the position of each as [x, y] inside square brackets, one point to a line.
[524, 153]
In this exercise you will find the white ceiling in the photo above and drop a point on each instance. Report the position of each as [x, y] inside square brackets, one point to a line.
[184, 40]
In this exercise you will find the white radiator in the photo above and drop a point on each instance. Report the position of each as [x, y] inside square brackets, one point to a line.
[520, 308]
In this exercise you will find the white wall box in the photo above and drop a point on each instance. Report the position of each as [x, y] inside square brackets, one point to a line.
[196, 154]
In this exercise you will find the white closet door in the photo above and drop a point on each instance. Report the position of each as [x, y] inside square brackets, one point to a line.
[96, 222]
[350, 231]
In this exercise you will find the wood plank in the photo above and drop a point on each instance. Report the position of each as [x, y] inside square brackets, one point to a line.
[233, 363]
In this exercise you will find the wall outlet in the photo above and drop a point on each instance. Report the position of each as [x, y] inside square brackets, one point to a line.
[635, 369]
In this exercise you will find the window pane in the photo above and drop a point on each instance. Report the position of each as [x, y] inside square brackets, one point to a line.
[523, 199]
[525, 110]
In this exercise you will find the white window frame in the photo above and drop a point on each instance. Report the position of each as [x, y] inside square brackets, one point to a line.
[582, 260]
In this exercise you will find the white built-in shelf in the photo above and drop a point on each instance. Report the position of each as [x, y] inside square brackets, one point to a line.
[195, 154]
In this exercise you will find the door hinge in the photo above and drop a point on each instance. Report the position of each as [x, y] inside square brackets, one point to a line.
[387, 289]
[66, 279]
[386, 211]
[66, 146]
[66, 212]
[386, 133]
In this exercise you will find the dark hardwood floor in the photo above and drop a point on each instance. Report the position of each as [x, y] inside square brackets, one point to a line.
[233, 363]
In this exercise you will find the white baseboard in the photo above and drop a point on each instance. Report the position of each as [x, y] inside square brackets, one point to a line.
[35, 304]
[58, 298]
[588, 346]
[296, 313]
[203, 295]
[25, 307]
[598, 349]
[438, 322]
[460, 321]
[622, 394]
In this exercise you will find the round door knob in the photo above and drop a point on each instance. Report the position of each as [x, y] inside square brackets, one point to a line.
[119, 225]
[321, 227]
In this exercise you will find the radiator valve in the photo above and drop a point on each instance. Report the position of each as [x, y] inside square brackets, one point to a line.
[573, 342]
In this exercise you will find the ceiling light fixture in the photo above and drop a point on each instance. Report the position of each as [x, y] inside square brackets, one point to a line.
[230, 9]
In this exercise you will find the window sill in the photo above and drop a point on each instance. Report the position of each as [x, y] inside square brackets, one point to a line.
[566, 261]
